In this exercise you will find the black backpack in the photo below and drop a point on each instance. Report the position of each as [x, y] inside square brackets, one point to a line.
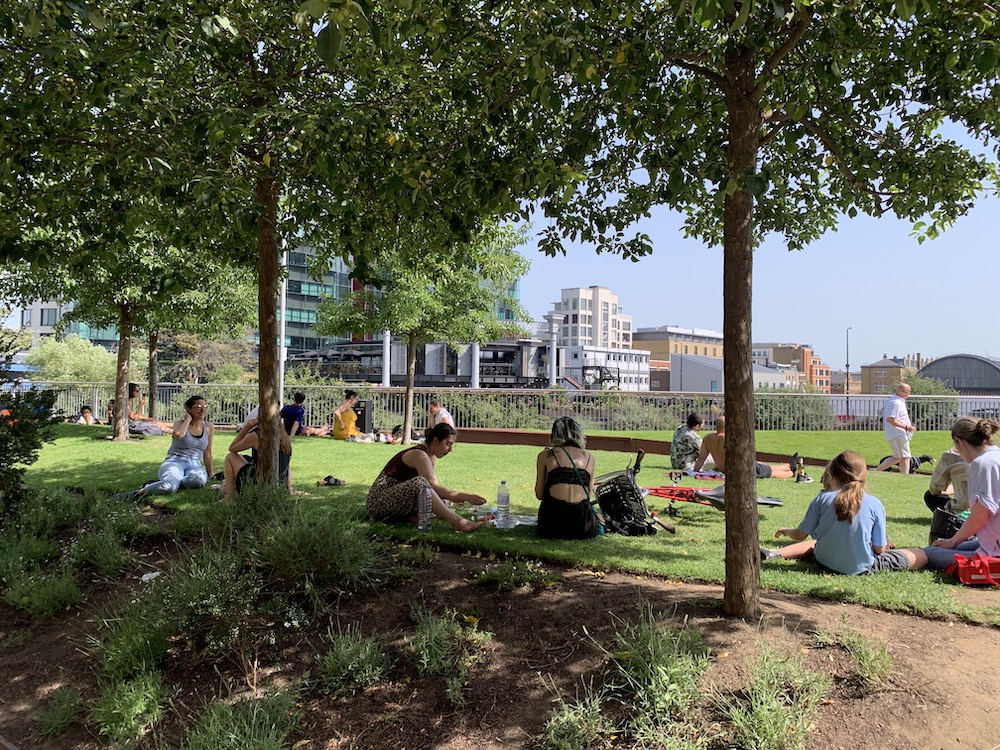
[623, 508]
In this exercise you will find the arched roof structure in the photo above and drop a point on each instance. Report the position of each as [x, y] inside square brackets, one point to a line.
[969, 374]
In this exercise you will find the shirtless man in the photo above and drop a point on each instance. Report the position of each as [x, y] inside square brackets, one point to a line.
[715, 445]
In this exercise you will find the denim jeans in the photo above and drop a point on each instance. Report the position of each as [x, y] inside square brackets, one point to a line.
[939, 558]
[177, 472]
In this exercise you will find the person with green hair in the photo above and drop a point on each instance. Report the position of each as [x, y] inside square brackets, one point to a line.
[564, 483]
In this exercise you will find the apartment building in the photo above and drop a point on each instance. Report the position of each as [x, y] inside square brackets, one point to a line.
[800, 356]
[592, 317]
[884, 375]
[664, 341]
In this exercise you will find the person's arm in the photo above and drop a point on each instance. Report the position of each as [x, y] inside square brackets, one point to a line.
[978, 516]
[208, 450]
[336, 415]
[244, 438]
[420, 461]
[540, 472]
[180, 428]
[791, 533]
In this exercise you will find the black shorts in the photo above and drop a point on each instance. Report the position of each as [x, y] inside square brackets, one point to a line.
[763, 471]
[245, 476]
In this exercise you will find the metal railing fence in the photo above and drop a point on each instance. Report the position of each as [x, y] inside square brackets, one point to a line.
[617, 411]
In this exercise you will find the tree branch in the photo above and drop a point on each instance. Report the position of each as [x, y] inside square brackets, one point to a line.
[767, 72]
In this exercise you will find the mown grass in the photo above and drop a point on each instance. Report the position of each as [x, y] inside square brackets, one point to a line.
[81, 458]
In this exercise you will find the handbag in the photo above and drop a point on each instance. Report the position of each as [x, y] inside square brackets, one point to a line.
[978, 570]
[944, 524]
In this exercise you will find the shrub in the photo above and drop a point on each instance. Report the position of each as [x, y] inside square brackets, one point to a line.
[26, 421]
[354, 661]
[580, 725]
[60, 712]
[21, 555]
[125, 710]
[136, 641]
[103, 550]
[442, 646]
[43, 596]
[258, 724]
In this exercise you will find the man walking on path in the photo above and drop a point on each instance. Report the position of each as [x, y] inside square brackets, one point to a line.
[898, 430]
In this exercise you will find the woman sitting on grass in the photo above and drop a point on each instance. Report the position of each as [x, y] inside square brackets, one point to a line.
[847, 525]
[238, 471]
[189, 458]
[973, 439]
[564, 482]
[395, 493]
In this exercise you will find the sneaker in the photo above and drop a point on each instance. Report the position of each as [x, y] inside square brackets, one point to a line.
[804, 478]
[768, 554]
[793, 464]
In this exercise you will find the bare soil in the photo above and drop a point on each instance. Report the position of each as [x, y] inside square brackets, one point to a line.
[940, 694]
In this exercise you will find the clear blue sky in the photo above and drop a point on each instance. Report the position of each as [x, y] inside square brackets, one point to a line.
[898, 297]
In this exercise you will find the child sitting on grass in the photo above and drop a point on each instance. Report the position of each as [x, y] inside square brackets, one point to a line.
[847, 525]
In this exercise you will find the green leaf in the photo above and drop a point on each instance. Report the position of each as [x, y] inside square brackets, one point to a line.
[329, 42]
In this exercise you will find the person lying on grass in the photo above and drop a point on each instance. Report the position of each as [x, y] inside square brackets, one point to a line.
[396, 491]
[847, 525]
[239, 471]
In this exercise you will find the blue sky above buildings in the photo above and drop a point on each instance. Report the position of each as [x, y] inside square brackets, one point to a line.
[898, 297]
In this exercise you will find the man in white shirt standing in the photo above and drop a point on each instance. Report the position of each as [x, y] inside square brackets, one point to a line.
[898, 430]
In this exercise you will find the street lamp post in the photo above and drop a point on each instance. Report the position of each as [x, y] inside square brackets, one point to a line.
[847, 373]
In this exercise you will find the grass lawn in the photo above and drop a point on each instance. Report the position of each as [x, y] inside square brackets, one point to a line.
[80, 457]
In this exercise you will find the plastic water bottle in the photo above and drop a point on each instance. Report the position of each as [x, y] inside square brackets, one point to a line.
[424, 513]
[503, 506]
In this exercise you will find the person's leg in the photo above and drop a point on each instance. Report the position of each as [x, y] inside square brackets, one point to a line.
[230, 466]
[195, 475]
[168, 478]
[904, 457]
[916, 558]
[796, 550]
[781, 471]
[939, 558]
[887, 463]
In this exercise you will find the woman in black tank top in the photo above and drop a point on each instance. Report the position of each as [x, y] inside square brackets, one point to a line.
[564, 483]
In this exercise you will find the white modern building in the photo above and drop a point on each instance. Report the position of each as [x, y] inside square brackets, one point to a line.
[593, 317]
[691, 373]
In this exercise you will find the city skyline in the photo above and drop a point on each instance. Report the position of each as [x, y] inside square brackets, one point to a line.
[898, 297]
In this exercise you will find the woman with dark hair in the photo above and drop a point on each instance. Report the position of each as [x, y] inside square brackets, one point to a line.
[189, 458]
[847, 525]
[395, 493]
[973, 439]
[345, 418]
[138, 422]
[238, 471]
[564, 483]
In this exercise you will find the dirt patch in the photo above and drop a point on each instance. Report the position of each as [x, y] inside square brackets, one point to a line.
[937, 696]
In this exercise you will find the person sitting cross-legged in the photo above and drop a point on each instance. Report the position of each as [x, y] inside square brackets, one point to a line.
[239, 471]
[847, 526]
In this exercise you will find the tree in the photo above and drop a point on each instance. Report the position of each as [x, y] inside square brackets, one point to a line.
[755, 118]
[192, 358]
[75, 359]
[936, 414]
[12, 340]
[453, 297]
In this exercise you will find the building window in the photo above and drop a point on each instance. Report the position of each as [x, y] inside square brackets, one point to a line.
[49, 317]
[880, 374]
[685, 348]
[714, 386]
[26, 317]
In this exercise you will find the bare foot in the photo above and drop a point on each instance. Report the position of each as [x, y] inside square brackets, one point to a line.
[464, 524]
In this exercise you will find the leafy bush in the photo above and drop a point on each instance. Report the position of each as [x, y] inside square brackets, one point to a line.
[127, 709]
[321, 551]
[136, 641]
[354, 661]
[442, 646]
[61, 711]
[26, 421]
[43, 596]
[258, 724]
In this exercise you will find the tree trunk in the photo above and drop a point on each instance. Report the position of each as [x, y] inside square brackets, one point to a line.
[126, 322]
[411, 368]
[154, 380]
[742, 593]
[267, 299]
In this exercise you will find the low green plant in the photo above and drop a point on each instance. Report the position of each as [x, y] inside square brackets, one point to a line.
[60, 711]
[417, 555]
[21, 555]
[45, 512]
[775, 710]
[874, 662]
[659, 662]
[513, 574]
[578, 725]
[440, 645]
[102, 549]
[321, 550]
[43, 596]
[210, 600]
[135, 641]
[354, 661]
[258, 724]
[125, 710]
[14, 640]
